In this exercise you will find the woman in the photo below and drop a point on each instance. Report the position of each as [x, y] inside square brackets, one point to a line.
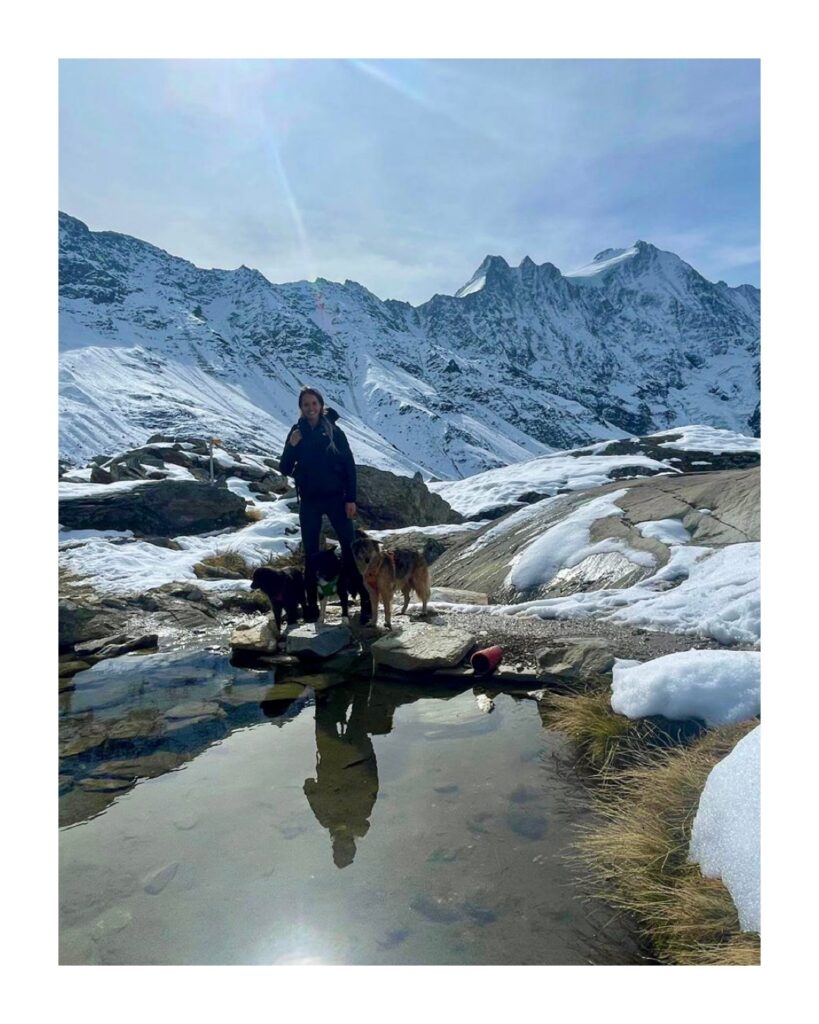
[317, 454]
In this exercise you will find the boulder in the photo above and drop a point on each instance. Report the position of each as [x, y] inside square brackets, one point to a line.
[164, 507]
[422, 646]
[575, 658]
[388, 501]
[260, 638]
[80, 623]
[313, 640]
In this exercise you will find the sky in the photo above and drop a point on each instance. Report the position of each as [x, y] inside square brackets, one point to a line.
[403, 175]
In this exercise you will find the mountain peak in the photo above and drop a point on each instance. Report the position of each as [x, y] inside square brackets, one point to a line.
[490, 266]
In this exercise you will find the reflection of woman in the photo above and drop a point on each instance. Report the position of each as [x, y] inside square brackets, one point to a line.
[344, 791]
[317, 454]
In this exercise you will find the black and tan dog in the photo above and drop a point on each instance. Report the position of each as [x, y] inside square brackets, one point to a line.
[285, 591]
[386, 570]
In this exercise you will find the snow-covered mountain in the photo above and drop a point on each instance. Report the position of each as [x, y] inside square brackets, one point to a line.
[519, 362]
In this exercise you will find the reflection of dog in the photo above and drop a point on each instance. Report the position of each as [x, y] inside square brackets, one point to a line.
[332, 579]
[284, 589]
[385, 571]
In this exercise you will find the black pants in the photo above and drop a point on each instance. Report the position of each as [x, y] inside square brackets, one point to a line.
[311, 511]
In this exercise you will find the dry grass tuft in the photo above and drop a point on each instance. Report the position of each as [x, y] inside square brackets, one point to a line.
[637, 853]
[293, 558]
[230, 560]
[254, 514]
[603, 738]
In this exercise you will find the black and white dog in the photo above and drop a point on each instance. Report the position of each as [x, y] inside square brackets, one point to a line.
[332, 579]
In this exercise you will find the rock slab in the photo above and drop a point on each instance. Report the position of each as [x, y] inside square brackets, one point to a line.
[420, 646]
[575, 658]
[317, 641]
[260, 639]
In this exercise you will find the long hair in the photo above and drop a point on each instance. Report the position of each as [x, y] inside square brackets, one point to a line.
[324, 418]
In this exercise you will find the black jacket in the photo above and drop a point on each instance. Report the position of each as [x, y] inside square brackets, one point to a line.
[319, 471]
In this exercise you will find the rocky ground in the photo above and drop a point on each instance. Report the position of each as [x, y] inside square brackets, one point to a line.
[522, 637]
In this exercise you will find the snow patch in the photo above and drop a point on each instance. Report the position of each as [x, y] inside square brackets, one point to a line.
[725, 836]
[718, 687]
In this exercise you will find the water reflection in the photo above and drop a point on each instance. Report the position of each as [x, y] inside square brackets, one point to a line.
[344, 791]
[140, 717]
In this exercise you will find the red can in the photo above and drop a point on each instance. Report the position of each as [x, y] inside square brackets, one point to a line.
[486, 661]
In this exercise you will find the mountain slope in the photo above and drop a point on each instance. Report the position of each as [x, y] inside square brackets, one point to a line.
[519, 362]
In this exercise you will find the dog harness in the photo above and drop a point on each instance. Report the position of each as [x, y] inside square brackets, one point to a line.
[371, 575]
[328, 589]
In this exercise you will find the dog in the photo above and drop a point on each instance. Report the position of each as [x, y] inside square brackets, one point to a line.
[285, 591]
[332, 578]
[385, 571]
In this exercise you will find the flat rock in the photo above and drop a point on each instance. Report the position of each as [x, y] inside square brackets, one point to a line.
[317, 641]
[93, 648]
[261, 638]
[420, 645]
[575, 658]
[139, 643]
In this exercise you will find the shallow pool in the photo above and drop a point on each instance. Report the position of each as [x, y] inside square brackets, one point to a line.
[345, 822]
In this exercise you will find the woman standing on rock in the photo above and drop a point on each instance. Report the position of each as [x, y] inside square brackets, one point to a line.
[317, 455]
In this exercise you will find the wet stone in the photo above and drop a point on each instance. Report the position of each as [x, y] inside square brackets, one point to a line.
[441, 911]
[530, 826]
[157, 880]
[480, 913]
[137, 723]
[82, 737]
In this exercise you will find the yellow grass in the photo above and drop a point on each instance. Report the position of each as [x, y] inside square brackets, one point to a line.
[637, 854]
[602, 737]
[230, 560]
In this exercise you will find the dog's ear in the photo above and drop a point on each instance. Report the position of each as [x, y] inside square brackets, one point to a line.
[360, 534]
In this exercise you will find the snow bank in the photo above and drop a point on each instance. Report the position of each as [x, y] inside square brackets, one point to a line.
[545, 475]
[667, 531]
[567, 543]
[700, 438]
[719, 687]
[725, 836]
